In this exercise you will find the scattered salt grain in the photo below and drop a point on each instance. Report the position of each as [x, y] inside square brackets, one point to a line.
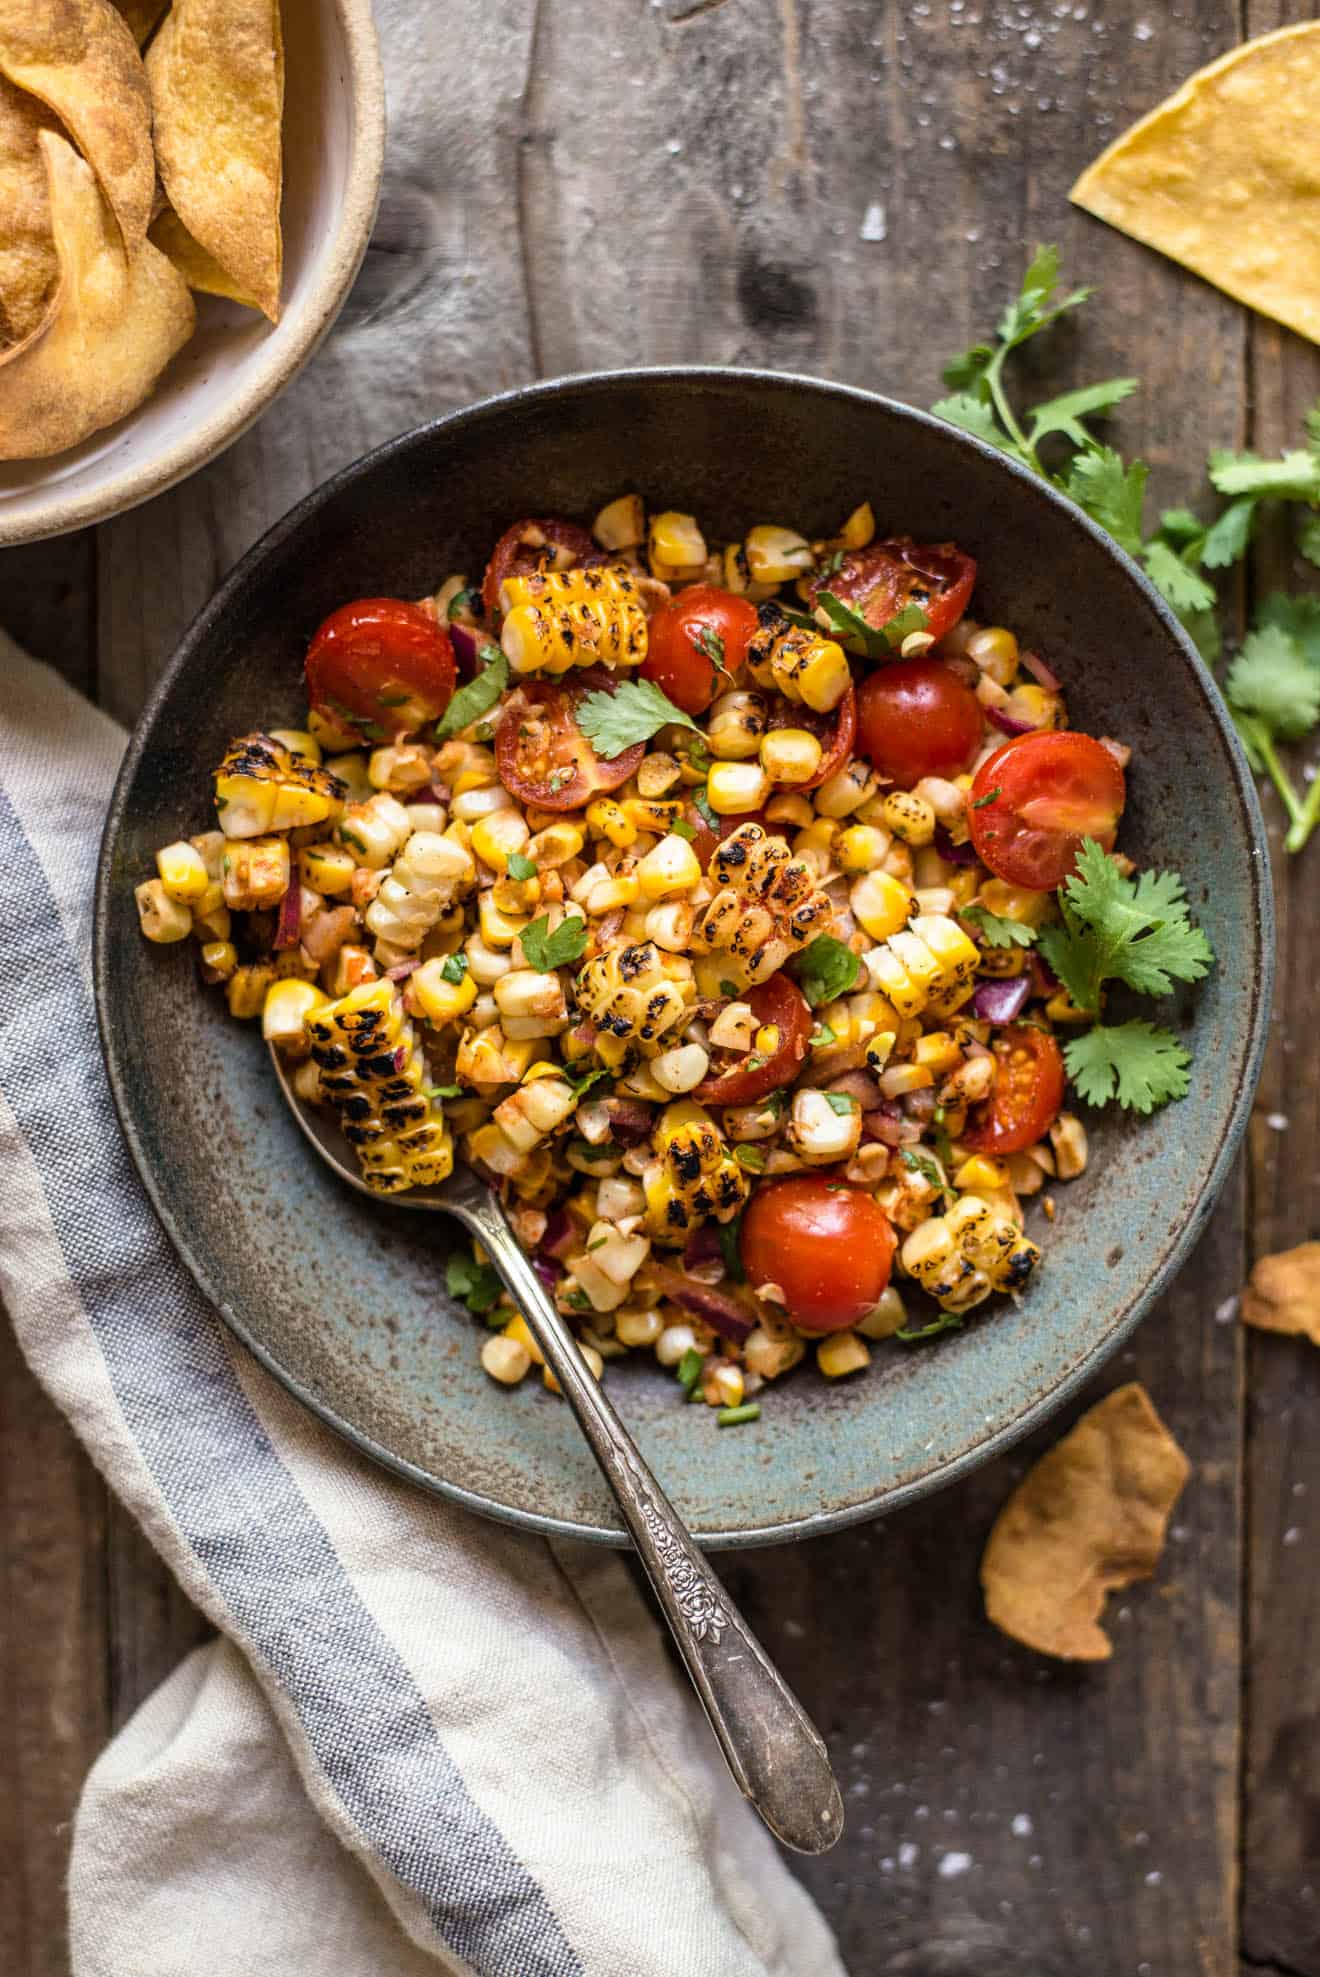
[874, 226]
[953, 1864]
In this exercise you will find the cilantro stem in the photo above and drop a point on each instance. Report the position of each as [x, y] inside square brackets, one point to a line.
[1305, 816]
[1007, 416]
[1283, 782]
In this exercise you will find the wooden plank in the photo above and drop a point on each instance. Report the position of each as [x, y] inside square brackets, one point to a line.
[52, 1659]
[1281, 1860]
[49, 603]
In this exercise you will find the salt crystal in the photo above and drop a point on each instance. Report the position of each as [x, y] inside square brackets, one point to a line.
[873, 225]
[953, 1864]
[1022, 1826]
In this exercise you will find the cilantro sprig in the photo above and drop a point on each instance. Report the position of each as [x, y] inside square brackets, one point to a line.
[478, 696]
[546, 951]
[1273, 690]
[825, 969]
[634, 712]
[476, 1284]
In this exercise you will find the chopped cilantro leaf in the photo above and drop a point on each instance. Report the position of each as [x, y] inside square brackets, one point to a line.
[728, 1233]
[453, 969]
[681, 828]
[520, 867]
[689, 1369]
[636, 710]
[544, 950]
[825, 969]
[996, 929]
[841, 1102]
[478, 696]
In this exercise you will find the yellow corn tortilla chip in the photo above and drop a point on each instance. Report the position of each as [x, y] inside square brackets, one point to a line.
[199, 269]
[79, 59]
[1283, 1293]
[1225, 177]
[117, 321]
[29, 266]
[142, 16]
[216, 69]
[1090, 1516]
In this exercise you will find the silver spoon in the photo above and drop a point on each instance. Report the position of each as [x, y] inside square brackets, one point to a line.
[769, 1742]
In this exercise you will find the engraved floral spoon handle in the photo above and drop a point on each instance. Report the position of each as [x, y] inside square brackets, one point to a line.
[770, 1743]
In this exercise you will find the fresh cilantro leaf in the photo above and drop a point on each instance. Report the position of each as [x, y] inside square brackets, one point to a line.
[841, 1102]
[708, 642]
[1135, 931]
[1065, 414]
[1308, 539]
[521, 867]
[1294, 477]
[476, 1284]
[1227, 538]
[990, 796]
[1135, 1062]
[973, 415]
[852, 627]
[634, 712]
[1029, 311]
[681, 828]
[1272, 679]
[921, 1163]
[453, 968]
[1110, 493]
[701, 802]
[1181, 525]
[688, 1369]
[730, 989]
[545, 950]
[730, 1249]
[478, 696]
[948, 1321]
[822, 1037]
[443, 1091]
[962, 372]
[462, 600]
[1298, 616]
[996, 930]
[910, 619]
[1313, 427]
[1175, 580]
[1202, 627]
[588, 1079]
[825, 969]
[752, 1158]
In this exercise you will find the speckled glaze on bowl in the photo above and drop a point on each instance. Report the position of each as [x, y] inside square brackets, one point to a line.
[344, 1298]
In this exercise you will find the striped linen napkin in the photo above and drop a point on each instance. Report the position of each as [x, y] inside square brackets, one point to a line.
[422, 1742]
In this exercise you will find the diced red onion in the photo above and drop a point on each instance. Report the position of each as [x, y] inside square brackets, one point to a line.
[951, 853]
[560, 1235]
[716, 1308]
[1039, 671]
[400, 1057]
[437, 793]
[1006, 724]
[630, 1122]
[465, 648]
[861, 1086]
[548, 1272]
[288, 929]
[965, 669]
[1043, 978]
[702, 1246]
[885, 1124]
[1001, 1000]
[401, 971]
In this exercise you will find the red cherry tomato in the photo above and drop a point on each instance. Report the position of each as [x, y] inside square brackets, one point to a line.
[884, 579]
[780, 1002]
[543, 755]
[825, 1244]
[533, 545]
[836, 732]
[1027, 1096]
[381, 666]
[697, 643]
[1036, 798]
[916, 718]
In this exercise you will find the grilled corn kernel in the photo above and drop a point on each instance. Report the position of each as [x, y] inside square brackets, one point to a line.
[787, 808]
[656, 774]
[776, 555]
[860, 849]
[979, 1173]
[1068, 1138]
[183, 872]
[842, 1353]
[859, 529]
[399, 767]
[621, 524]
[497, 837]
[428, 993]
[517, 1330]
[257, 873]
[886, 1318]
[668, 871]
[285, 1010]
[879, 904]
[557, 619]
[262, 786]
[846, 790]
[681, 1069]
[1062, 1009]
[647, 813]
[938, 1052]
[506, 1360]
[327, 868]
[803, 665]
[219, 959]
[497, 929]
[676, 547]
[161, 918]
[734, 788]
[735, 725]
[994, 652]
[1032, 705]
[790, 755]
[607, 895]
[328, 733]
[245, 991]
[605, 818]
[1016, 902]
[909, 817]
[554, 846]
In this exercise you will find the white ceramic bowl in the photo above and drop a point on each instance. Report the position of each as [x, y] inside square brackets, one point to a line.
[237, 362]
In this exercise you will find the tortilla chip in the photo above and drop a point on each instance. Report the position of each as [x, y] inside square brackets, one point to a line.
[217, 83]
[80, 60]
[117, 321]
[1090, 1516]
[1225, 177]
[1283, 1293]
[29, 266]
[142, 16]
[199, 269]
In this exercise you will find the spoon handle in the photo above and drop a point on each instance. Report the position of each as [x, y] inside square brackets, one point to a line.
[771, 1745]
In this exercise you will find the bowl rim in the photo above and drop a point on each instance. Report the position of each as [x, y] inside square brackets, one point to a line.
[280, 359]
[1177, 1247]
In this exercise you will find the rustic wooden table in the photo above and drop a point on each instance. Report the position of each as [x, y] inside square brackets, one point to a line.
[845, 188]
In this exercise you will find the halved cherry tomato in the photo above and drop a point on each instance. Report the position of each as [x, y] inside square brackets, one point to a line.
[884, 579]
[836, 732]
[695, 645]
[1027, 1096]
[1036, 798]
[917, 718]
[705, 838]
[543, 755]
[533, 545]
[825, 1245]
[780, 1002]
[382, 666]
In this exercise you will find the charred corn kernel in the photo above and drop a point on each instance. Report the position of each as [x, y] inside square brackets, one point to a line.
[621, 523]
[219, 959]
[681, 1069]
[694, 1175]
[605, 818]
[161, 918]
[375, 830]
[860, 849]
[245, 991]
[735, 726]
[210, 848]
[824, 1126]
[738, 575]
[429, 994]
[497, 837]
[842, 1353]
[656, 774]
[329, 734]
[1062, 1009]
[915, 644]
[638, 1328]
[670, 925]
[733, 788]
[670, 870]
[712, 971]
[1068, 1138]
[804, 666]
[474, 804]
[498, 929]
[979, 1173]
[427, 876]
[964, 1255]
[263, 786]
[182, 872]
[994, 652]
[649, 814]
[517, 1329]
[880, 905]
[307, 1083]
[1032, 705]
[257, 873]
[790, 755]
[886, 1317]
[555, 845]
[285, 1010]
[767, 904]
[349, 968]
[210, 914]
[938, 1052]
[859, 529]
[351, 771]
[766, 1040]
[723, 1385]
[607, 895]
[880, 1047]
[846, 790]
[399, 767]
[490, 1147]
[374, 1074]
[558, 619]
[776, 555]
[506, 1360]
[786, 808]
[676, 548]
[629, 994]
[488, 1057]
[327, 868]
[909, 817]
[897, 1080]
[531, 1004]
[534, 1110]
[1016, 902]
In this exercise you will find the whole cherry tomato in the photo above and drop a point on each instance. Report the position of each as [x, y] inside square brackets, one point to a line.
[885, 578]
[776, 1002]
[696, 644]
[824, 1245]
[916, 718]
[836, 732]
[382, 667]
[1027, 1096]
[1036, 798]
[542, 754]
[548, 544]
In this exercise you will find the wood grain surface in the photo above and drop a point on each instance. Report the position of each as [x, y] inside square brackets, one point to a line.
[849, 188]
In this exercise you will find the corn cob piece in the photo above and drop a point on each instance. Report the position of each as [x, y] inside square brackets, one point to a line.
[262, 785]
[767, 904]
[803, 665]
[374, 1075]
[558, 619]
[634, 991]
[929, 961]
[694, 1175]
[961, 1257]
[427, 876]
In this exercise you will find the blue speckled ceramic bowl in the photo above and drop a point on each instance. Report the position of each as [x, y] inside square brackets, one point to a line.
[343, 1298]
